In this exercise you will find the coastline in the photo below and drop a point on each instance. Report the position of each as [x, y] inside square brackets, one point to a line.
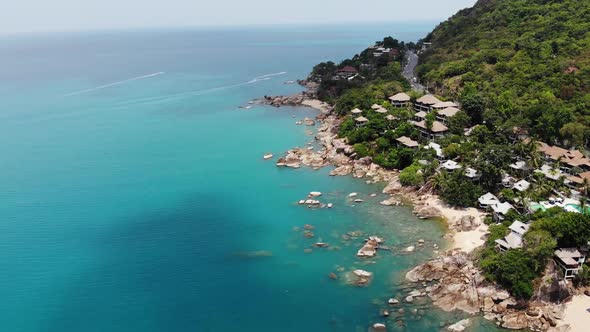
[457, 283]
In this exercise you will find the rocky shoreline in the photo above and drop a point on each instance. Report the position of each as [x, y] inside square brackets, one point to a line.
[451, 280]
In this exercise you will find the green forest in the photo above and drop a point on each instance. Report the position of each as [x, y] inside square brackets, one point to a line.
[528, 60]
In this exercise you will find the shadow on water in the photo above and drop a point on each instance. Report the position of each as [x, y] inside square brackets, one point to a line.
[150, 277]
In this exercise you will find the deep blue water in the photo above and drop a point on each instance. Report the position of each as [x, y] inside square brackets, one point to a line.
[134, 196]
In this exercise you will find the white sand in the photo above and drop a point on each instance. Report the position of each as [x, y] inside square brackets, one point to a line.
[466, 241]
[577, 314]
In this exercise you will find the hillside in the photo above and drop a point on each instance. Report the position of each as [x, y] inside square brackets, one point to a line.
[529, 60]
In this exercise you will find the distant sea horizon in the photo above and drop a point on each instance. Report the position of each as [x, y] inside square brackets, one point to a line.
[135, 196]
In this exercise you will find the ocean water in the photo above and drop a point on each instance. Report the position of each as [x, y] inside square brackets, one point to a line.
[134, 196]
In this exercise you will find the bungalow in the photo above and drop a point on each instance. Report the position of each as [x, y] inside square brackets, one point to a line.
[507, 180]
[437, 149]
[450, 165]
[356, 111]
[444, 104]
[361, 121]
[500, 210]
[438, 129]
[425, 103]
[345, 73]
[420, 116]
[407, 142]
[400, 100]
[520, 167]
[514, 239]
[390, 117]
[487, 200]
[444, 114]
[378, 109]
[522, 185]
[472, 174]
[570, 260]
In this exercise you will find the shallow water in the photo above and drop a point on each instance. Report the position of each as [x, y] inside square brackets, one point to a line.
[135, 198]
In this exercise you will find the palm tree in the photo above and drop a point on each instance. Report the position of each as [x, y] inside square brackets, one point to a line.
[584, 206]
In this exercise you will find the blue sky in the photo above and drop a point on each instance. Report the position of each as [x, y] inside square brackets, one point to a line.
[64, 15]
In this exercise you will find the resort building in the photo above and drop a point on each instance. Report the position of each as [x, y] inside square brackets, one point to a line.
[407, 142]
[361, 121]
[438, 129]
[390, 117]
[520, 168]
[437, 149]
[400, 100]
[425, 103]
[487, 200]
[444, 114]
[444, 104]
[570, 260]
[500, 210]
[568, 159]
[550, 172]
[514, 239]
[420, 116]
[450, 165]
[378, 109]
[345, 73]
[577, 181]
[472, 174]
[522, 185]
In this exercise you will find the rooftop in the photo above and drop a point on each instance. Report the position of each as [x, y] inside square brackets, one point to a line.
[348, 69]
[502, 208]
[519, 227]
[428, 100]
[488, 199]
[407, 141]
[448, 112]
[437, 127]
[436, 147]
[356, 111]
[450, 165]
[445, 104]
[521, 185]
[391, 117]
[361, 119]
[421, 114]
[400, 97]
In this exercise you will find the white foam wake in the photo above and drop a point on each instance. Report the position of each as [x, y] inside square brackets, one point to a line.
[113, 84]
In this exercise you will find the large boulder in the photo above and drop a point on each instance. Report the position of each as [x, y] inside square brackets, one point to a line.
[515, 321]
[394, 186]
[427, 211]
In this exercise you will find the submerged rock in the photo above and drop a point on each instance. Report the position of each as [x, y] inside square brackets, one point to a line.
[459, 326]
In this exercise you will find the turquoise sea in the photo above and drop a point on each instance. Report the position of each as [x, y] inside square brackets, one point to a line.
[134, 197]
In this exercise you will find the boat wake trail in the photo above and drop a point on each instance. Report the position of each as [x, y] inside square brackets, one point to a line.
[113, 84]
[165, 98]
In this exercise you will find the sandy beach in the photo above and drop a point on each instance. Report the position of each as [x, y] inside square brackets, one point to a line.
[464, 240]
[317, 104]
[577, 314]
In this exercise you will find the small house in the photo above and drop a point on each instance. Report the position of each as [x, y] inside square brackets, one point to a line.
[500, 210]
[570, 260]
[345, 73]
[438, 129]
[425, 103]
[356, 111]
[437, 149]
[400, 100]
[487, 200]
[361, 121]
[514, 239]
[444, 114]
[450, 165]
[522, 185]
[472, 174]
[407, 142]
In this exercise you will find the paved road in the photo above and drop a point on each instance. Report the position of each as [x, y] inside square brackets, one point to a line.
[409, 71]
